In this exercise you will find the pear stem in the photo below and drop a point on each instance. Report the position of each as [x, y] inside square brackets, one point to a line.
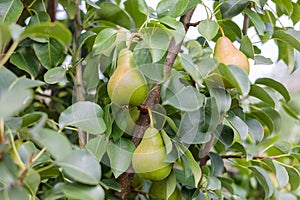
[134, 35]
[151, 117]
[222, 31]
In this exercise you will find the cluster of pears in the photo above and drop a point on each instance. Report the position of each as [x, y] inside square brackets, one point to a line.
[127, 85]
[148, 158]
[225, 52]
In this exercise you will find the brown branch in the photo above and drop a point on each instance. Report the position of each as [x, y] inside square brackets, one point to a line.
[246, 21]
[52, 7]
[194, 23]
[153, 98]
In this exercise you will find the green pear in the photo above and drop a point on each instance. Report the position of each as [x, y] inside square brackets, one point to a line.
[225, 52]
[148, 158]
[158, 190]
[127, 85]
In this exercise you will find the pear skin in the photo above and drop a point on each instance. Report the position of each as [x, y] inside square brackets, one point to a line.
[225, 52]
[148, 158]
[127, 85]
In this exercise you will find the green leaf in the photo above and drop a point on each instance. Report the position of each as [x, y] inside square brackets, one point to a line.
[286, 54]
[56, 144]
[262, 117]
[80, 191]
[237, 77]
[264, 179]
[55, 30]
[153, 71]
[247, 47]
[209, 115]
[217, 164]
[255, 129]
[262, 94]
[174, 93]
[171, 8]
[296, 13]
[170, 185]
[56, 75]
[157, 40]
[138, 10]
[81, 166]
[48, 53]
[213, 183]
[6, 79]
[285, 6]
[208, 29]
[14, 101]
[290, 36]
[222, 98]
[189, 130]
[261, 60]
[85, 115]
[26, 61]
[111, 12]
[120, 154]
[279, 87]
[281, 175]
[289, 110]
[32, 181]
[239, 126]
[257, 21]
[294, 177]
[196, 170]
[39, 17]
[167, 141]
[10, 10]
[105, 41]
[232, 8]
[83, 37]
[15, 192]
[27, 149]
[174, 28]
[97, 146]
[25, 83]
[4, 35]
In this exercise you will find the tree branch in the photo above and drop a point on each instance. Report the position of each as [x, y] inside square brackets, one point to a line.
[153, 98]
[79, 91]
[246, 21]
[52, 6]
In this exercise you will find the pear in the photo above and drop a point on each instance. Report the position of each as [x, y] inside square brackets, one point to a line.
[225, 52]
[158, 190]
[127, 85]
[148, 158]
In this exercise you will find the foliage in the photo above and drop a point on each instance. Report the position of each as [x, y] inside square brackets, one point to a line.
[62, 138]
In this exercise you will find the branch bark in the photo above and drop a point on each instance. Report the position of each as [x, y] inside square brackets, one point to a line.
[79, 91]
[246, 21]
[52, 6]
[153, 98]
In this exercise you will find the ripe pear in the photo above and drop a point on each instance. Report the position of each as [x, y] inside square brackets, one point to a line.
[225, 52]
[127, 85]
[148, 158]
[158, 190]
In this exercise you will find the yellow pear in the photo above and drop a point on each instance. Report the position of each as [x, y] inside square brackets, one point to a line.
[158, 190]
[225, 52]
[127, 85]
[148, 158]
